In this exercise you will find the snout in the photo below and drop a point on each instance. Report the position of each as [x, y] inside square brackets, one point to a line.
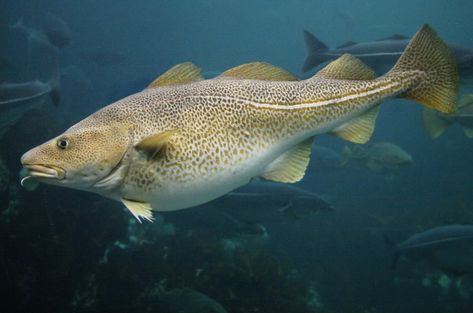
[38, 170]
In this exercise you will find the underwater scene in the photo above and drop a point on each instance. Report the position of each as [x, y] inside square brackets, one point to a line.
[305, 156]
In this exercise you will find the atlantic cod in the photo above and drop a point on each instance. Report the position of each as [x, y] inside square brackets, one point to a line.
[184, 141]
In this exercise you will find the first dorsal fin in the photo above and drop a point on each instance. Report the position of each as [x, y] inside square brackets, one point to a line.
[393, 37]
[154, 144]
[347, 44]
[360, 129]
[258, 71]
[179, 74]
[291, 166]
[346, 67]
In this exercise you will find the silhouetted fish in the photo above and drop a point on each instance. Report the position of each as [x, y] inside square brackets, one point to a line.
[187, 300]
[56, 30]
[273, 202]
[448, 248]
[18, 98]
[380, 54]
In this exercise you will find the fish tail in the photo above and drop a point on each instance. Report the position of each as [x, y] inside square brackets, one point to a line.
[427, 54]
[392, 246]
[314, 48]
[434, 123]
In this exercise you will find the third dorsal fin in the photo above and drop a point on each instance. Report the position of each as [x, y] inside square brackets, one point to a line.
[179, 74]
[346, 67]
[258, 71]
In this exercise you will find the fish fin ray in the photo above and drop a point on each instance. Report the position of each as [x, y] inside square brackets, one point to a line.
[428, 54]
[291, 166]
[360, 129]
[346, 67]
[182, 73]
[140, 210]
[154, 144]
[258, 71]
[434, 124]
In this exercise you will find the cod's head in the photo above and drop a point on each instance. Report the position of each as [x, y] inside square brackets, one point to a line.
[80, 158]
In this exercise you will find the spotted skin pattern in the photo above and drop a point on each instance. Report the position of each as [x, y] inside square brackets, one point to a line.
[226, 131]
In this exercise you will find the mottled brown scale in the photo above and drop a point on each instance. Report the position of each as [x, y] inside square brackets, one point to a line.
[227, 130]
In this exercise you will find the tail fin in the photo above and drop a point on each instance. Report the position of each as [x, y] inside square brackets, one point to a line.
[434, 123]
[392, 246]
[314, 47]
[427, 53]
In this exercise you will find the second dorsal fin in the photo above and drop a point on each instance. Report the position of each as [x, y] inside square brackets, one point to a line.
[346, 67]
[182, 73]
[258, 71]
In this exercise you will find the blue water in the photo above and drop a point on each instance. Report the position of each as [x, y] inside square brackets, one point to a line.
[69, 251]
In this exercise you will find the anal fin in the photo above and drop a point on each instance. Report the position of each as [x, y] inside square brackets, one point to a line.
[140, 210]
[291, 166]
[360, 129]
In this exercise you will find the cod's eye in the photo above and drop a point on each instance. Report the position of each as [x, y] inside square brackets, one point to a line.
[62, 143]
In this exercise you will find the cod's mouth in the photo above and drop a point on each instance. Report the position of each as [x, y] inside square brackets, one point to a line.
[40, 171]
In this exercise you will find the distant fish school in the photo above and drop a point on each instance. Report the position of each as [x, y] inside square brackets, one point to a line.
[184, 141]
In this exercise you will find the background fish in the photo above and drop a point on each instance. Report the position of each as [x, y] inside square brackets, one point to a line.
[185, 141]
[56, 30]
[448, 248]
[381, 54]
[18, 98]
[382, 157]
[436, 124]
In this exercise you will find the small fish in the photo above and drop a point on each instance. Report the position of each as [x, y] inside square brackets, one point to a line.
[436, 123]
[56, 30]
[382, 157]
[448, 248]
[260, 202]
[185, 141]
[18, 98]
[103, 57]
[381, 54]
[34, 35]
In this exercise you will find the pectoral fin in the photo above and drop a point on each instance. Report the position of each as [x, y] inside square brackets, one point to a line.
[155, 144]
[291, 166]
[140, 210]
[360, 129]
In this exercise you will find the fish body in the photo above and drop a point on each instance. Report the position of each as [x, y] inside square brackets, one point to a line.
[448, 248]
[56, 30]
[261, 202]
[18, 98]
[382, 157]
[380, 54]
[436, 123]
[184, 141]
